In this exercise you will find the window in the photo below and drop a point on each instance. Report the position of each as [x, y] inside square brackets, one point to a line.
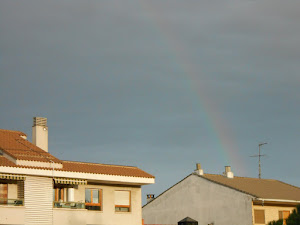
[3, 194]
[93, 199]
[122, 201]
[259, 216]
[284, 215]
[58, 194]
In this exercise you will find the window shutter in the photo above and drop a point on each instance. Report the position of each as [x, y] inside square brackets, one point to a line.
[3, 190]
[259, 216]
[122, 198]
[280, 214]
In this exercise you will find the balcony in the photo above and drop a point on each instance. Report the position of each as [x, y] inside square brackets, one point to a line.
[68, 205]
[11, 202]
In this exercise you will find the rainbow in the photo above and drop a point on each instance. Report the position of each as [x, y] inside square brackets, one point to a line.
[219, 127]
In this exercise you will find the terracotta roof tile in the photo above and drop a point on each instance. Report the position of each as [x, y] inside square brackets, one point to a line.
[14, 131]
[5, 162]
[19, 148]
[261, 188]
[105, 169]
[82, 167]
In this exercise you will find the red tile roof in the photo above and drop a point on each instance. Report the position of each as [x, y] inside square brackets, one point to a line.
[105, 169]
[261, 188]
[19, 148]
[6, 162]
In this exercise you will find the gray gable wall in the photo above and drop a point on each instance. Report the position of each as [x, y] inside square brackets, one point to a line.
[202, 200]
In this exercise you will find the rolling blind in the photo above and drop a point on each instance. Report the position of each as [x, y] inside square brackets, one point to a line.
[122, 198]
[38, 201]
[259, 216]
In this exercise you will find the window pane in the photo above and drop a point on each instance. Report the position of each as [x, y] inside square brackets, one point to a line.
[92, 207]
[88, 195]
[280, 214]
[95, 196]
[122, 209]
[60, 193]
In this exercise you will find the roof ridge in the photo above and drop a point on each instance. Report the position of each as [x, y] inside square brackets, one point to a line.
[254, 178]
[103, 164]
[13, 131]
[226, 185]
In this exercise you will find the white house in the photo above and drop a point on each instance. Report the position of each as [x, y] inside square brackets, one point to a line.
[222, 200]
[37, 188]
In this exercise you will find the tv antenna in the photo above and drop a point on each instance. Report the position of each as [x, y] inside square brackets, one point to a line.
[259, 155]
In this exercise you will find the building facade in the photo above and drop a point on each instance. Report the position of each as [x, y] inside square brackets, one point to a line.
[222, 199]
[38, 188]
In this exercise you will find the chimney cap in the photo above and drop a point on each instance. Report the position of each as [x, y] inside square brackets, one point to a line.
[227, 168]
[39, 121]
[198, 169]
[150, 195]
[228, 173]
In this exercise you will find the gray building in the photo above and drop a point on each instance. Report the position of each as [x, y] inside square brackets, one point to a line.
[222, 200]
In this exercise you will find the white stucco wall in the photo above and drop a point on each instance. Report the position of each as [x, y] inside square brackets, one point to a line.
[13, 215]
[107, 216]
[39, 194]
[202, 200]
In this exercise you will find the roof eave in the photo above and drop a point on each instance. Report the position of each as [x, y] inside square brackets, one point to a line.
[277, 200]
[104, 178]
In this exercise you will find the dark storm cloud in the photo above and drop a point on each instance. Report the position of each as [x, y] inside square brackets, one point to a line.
[119, 79]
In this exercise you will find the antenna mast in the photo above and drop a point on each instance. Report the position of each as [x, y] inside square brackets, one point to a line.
[259, 155]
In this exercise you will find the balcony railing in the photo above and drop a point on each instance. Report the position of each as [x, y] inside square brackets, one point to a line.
[12, 202]
[69, 205]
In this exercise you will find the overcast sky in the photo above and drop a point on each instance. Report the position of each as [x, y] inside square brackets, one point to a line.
[160, 85]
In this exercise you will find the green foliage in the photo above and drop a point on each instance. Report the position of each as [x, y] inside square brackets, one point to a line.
[294, 218]
[278, 222]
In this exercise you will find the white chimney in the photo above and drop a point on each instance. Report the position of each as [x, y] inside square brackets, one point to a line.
[198, 169]
[40, 133]
[228, 172]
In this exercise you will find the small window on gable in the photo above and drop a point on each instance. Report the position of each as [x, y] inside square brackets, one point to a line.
[122, 201]
[259, 216]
